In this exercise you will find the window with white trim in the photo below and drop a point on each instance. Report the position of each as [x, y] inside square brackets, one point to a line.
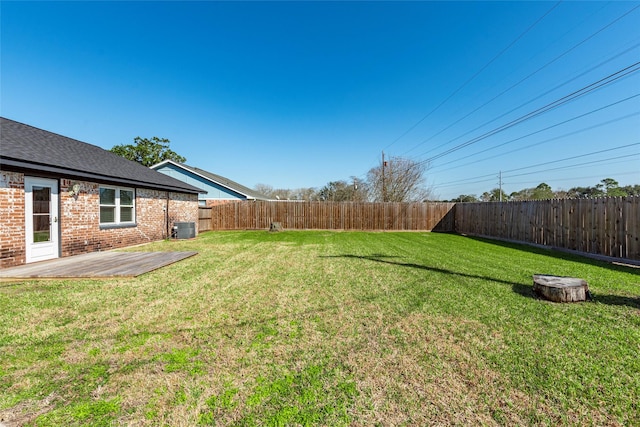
[117, 205]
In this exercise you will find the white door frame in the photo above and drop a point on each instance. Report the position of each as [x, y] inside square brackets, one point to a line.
[49, 246]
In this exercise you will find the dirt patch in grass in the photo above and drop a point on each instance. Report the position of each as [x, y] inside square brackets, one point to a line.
[28, 410]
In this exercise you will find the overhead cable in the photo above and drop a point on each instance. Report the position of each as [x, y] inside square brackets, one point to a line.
[610, 59]
[475, 75]
[504, 153]
[540, 69]
[552, 105]
[460, 181]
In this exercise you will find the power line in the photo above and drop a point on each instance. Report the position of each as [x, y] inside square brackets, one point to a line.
[493, 177]
[555, 104]
[475, 75]
[578, 177]
[627, 157]
[610, 59]
[636, 113]
[574, 157]
[462, 181]
[538, 70]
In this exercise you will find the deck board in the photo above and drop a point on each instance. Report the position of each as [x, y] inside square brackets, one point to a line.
[95, 265]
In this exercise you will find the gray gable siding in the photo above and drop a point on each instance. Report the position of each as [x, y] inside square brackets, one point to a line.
[213, 191]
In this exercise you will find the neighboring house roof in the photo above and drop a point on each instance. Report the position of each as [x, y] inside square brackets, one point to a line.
[26, 147]
[216, 179]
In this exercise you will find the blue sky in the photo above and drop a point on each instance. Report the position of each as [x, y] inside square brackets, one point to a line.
[298, 94]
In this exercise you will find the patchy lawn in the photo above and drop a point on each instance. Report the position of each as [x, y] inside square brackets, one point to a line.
[325, 328]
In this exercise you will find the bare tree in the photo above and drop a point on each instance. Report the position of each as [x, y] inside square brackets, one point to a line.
[286, 193]
[305, 193]
[265, 189]
[398, 180]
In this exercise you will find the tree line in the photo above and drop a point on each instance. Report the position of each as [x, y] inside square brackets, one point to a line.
[397, 179]
[607, 187]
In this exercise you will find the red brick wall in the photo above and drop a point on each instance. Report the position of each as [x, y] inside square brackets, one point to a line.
[12, 237]
[80, 218]
[80, 222]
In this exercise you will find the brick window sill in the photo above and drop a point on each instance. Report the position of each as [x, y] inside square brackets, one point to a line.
[111, 226]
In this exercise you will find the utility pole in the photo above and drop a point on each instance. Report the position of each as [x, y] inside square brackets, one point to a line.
[384, 191]
[500, 184]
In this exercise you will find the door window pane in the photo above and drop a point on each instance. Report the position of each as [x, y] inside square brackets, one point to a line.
[41, 228]
[41, 197]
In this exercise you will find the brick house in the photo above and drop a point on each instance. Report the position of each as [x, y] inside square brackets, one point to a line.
[216, 189]
[61, 197]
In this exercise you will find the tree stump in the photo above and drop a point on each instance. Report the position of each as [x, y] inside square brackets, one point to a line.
[561, 289]
[275, 226]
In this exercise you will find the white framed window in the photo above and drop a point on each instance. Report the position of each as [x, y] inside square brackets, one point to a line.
[117, 205]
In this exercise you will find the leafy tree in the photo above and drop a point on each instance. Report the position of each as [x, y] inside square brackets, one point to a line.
[148, 152]
[398, 180]
[582, 192]
[339, 191]
[494, 196]
[466, 198]
[542, 192]
[606, 187]
[611, 187]
[524, 194]
[631, 190]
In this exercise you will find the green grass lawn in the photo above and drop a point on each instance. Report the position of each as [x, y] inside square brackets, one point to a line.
[325, 328]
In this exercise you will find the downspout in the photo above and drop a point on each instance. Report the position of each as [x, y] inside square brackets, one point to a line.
[166, 217]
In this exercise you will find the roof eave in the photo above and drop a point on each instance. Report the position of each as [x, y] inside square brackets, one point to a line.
[18, 164]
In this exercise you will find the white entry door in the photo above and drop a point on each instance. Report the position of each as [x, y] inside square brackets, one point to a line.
[41, 218]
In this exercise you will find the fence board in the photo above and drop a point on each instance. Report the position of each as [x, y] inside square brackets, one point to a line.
[604, 226]
[331, 216]
[204, 219]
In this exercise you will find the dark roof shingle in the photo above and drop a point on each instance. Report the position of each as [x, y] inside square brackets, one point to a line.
[28, 147]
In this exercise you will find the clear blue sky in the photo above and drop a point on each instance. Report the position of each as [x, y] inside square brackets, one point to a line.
[297, 94]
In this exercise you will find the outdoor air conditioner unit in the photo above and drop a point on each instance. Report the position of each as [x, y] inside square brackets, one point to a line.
[184, 230]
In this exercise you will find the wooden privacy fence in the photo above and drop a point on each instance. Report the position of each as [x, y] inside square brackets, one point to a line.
[604, 226]
[329, 216]
[204, 219]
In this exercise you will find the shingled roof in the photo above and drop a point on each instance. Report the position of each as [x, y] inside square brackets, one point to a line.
[26, 147]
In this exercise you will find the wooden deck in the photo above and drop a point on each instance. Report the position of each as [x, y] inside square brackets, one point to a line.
[95, 265]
